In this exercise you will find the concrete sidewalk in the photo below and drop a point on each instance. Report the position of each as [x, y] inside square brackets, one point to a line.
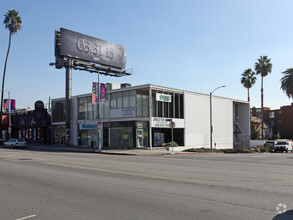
[138, 152]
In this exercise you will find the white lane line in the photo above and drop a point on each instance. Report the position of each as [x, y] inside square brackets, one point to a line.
[30, 216]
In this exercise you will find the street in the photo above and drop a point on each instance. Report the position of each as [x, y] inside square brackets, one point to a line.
[63, 185]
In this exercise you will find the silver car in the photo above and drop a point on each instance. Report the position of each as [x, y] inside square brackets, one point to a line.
[14, 142]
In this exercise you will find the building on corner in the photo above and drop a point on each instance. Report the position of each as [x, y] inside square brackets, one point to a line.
[140, 116]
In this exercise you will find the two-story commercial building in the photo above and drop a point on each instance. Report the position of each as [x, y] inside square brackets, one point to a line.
[140, 116]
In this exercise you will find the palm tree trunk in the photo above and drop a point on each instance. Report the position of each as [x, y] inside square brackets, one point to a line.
[248, 99]
[3, 81]
[262, 128]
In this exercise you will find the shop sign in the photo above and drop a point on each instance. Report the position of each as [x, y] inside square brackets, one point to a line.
[163, 97]
[88, 126]
[158, 122]
[161, 122]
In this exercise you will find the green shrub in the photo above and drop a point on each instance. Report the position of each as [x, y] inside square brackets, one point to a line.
[202, 150]
[237, 151]
[172, 144]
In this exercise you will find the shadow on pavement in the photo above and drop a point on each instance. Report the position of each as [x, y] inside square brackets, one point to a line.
[284, 216]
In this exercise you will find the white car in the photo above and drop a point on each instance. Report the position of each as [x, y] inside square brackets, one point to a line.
[14, 142]
[284, 146]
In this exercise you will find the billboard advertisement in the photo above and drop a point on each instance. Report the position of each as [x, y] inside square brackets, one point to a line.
[87, 48]
[6, 105]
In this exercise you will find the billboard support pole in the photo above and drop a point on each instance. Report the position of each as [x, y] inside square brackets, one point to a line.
[9, 105]
[68, 93]
[99, 118]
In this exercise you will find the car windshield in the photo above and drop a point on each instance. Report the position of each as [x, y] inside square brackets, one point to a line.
[281, 143]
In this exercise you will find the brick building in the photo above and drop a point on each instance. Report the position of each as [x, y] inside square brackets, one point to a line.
[281, 120]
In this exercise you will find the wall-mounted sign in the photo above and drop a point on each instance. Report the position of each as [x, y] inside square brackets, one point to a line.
[158, 122]
[125, 112]
[163, 97]
[87, 48]
[88, 126]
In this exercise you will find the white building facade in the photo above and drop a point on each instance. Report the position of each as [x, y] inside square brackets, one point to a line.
[142, 117]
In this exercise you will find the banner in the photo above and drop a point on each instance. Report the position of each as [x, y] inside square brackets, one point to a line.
[95, 93]
[103, 93]
[6, 105]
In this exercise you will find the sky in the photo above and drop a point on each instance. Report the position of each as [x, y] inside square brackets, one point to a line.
[195, 45]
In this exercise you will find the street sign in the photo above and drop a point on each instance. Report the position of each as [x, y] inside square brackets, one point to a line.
[99, 126]
[172, 124]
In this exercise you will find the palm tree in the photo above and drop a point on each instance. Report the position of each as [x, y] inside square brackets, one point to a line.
[248, 80]
[263, 67]
[12, 22]
[287, 82]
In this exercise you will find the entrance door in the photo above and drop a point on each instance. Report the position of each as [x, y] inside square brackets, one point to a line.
[139, 138]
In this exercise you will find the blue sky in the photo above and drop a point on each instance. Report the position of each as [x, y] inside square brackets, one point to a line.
[196, 45]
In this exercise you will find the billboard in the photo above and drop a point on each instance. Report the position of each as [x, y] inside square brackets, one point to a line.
[87, 48]
[6, 105]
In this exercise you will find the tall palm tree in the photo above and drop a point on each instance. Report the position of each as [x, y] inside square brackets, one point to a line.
[287, 82]
[248, 79]
[263, 67]
[12, 22]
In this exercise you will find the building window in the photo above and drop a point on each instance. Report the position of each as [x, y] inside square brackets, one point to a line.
[113, 100]
[58, 111]
[119, 100]
[142, 101]
[126, 99]
[272, 114]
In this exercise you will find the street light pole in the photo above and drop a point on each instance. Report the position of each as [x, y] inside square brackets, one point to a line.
[211, 117]
[9, 114]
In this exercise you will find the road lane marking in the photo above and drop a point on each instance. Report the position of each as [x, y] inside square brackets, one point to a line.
[26, 217]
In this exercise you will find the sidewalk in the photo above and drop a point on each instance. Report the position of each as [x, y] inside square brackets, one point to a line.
[138, 152]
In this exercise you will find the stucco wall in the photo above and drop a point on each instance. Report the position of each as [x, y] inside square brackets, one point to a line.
[197, 121]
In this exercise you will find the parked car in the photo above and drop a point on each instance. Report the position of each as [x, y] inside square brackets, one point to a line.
[284, 146]
[14, 142]
[270, 144]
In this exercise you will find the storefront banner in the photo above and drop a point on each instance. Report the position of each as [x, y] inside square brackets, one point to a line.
[125, 112]
[165, 122]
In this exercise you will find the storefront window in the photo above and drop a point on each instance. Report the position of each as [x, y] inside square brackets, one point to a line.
[121, 137]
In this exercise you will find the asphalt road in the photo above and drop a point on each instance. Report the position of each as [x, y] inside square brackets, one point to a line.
[59, 185]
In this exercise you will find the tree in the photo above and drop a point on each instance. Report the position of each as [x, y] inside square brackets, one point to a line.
[263, 67]
[12, 22]
[287, 82]
[248, 79]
